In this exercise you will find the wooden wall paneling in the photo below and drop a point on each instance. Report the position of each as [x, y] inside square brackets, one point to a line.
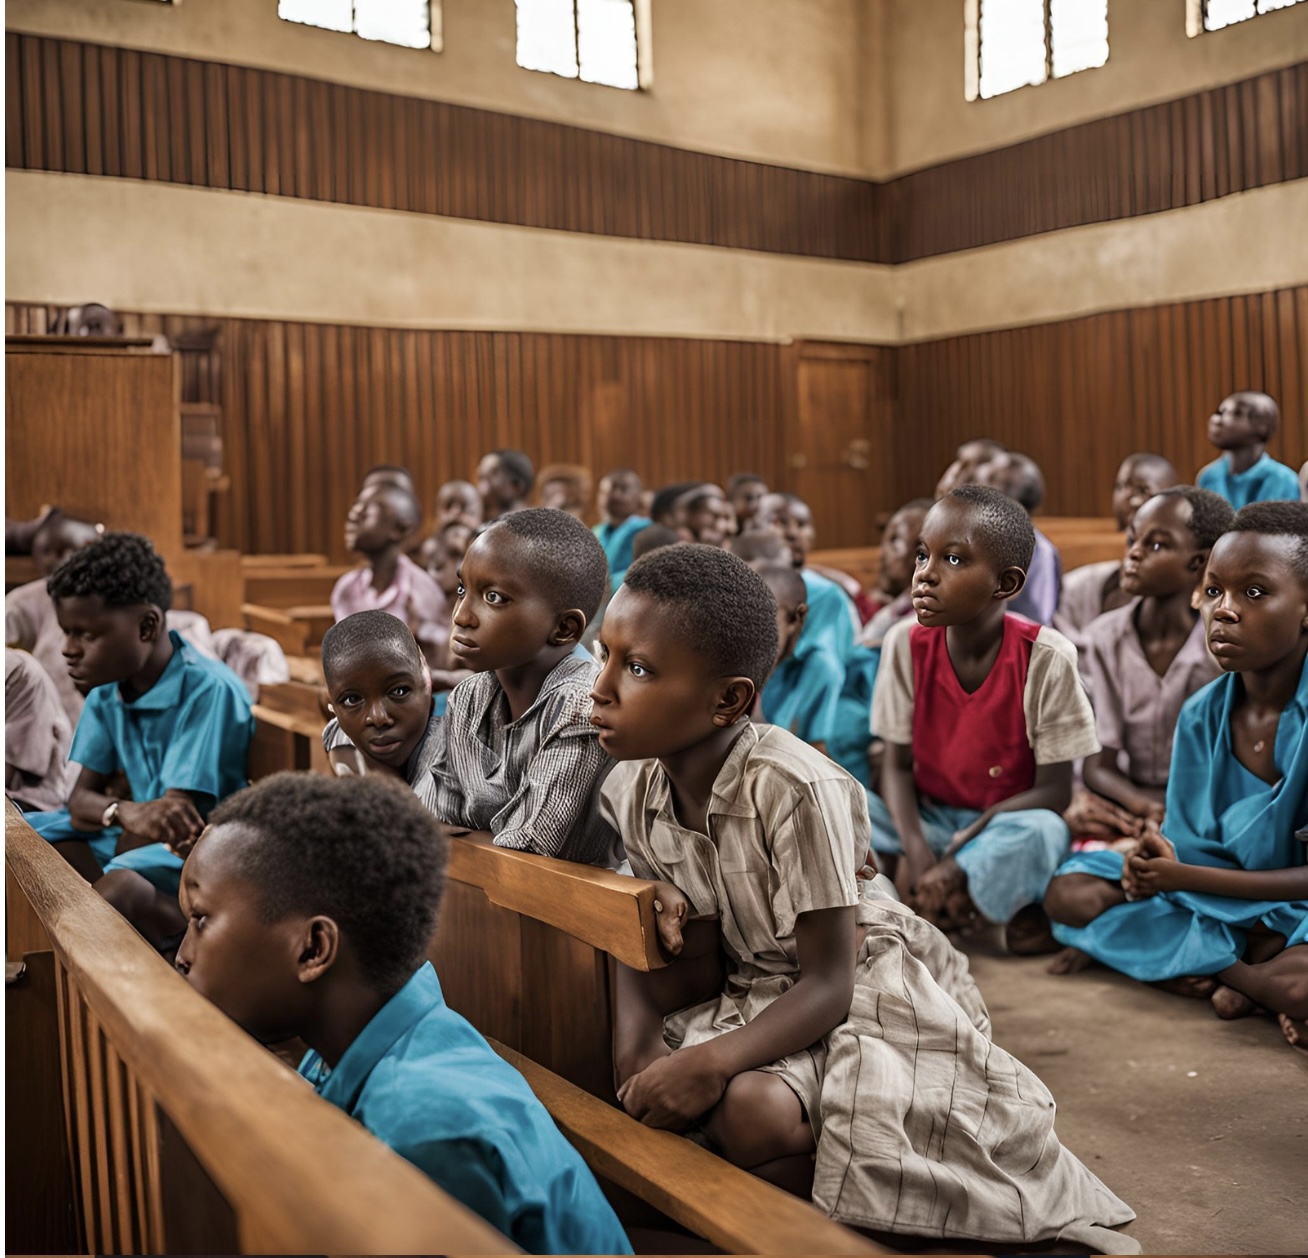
[14, 113]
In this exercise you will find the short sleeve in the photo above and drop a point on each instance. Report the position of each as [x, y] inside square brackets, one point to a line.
[340, 598]
[21, 626]
[210, 742]
[1060, 722]
[1105, 685]
[817, 846]
[446, 798]
[333, 736]
[93, 742]
[892, 699]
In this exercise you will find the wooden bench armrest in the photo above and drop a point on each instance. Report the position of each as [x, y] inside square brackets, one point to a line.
[292, 722]
[609, 911]
[728, 1207]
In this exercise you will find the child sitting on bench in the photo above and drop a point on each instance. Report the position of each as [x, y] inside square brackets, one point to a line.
[1241, 427]
[1216, 903]
[982, 714]
[515, 758]
[841, 1015]
[176, 723]
[309, 906]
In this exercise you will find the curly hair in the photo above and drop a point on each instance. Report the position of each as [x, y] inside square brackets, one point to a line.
[724, 609]
[362, 851]
[1278, 519]
[1006, 530]
[566, 558]
[122, 568]
[1210, 514]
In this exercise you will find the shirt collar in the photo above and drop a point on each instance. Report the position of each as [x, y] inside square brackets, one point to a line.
[729, 796]
[167, 691]
[343, 1083]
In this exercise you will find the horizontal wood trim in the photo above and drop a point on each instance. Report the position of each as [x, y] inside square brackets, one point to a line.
[93, 109]
[306, 408]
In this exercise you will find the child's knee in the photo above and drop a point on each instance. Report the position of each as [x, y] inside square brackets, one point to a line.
[155, 915]
[760, 1119]
[1077, 899]
[126, 891]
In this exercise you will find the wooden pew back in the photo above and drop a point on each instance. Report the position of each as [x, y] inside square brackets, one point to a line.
[293, 586]
[181, 1134]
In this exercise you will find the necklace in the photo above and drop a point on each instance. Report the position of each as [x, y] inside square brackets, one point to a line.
[1259, 745]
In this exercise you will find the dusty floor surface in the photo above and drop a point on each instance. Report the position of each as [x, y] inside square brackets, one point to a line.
[1201, 1126]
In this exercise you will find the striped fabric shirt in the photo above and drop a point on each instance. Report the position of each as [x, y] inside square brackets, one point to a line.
[417, 770]
[534, 782]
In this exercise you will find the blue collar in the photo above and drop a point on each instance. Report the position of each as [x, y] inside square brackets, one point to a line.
[342, 1084]
[167, 691]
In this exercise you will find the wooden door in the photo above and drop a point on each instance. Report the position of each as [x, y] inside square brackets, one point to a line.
[840, 455]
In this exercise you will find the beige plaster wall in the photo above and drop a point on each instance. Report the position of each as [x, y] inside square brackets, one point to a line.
[1151, 59]
[73, 238]
[771, 80]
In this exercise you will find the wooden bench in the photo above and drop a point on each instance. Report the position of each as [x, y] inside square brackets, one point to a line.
[254, 564]
[141, 1120]
[297, 630]
[293, 586]
[285, 741]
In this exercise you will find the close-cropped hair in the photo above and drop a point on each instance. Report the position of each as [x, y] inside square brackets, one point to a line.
[614, 473]
[1264, 406]
[566, 559]
[362, 851]
[1027, 481]
[722, 609]
[392, 472]
[741, 479]
[1159, 464]
[1276, 519]
[367, 634]
[519, 467]
[123, 569]
[784, 581]
[758, 544]
[401, 502]
[1210, 514]
[665, 498]
[651, 537]
[1005, 528]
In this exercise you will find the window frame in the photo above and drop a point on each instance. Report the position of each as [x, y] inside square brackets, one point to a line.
[1196, 17]
[642, 11]
[972, 51]
[435, 28]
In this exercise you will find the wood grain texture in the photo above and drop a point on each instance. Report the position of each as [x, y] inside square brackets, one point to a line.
[245, 1119]
[85, 108]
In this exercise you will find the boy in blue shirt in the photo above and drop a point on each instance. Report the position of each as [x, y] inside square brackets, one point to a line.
[620, 501]
[176, 724]
[309, 905]
[1241, 428]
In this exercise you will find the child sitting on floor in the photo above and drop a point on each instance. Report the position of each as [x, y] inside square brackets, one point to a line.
[174, 722]
[1145, 660]
[622, 520]
[1241, 427]
[515, 758]
[1221, 902]
[709, 517]
[383, 715]
[1020, 477]
[982, 714]
[889, 600]
[504, 480]
[379, 523]
[847, 1027]
[302, 921]
[458, 502]
[1095, 588]
[745, 491]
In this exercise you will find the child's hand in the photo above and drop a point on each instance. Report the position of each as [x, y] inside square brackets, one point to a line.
[673, 1091]
[671, 909]
[172, 819]
[966, 834]
[1146, 871]
[911, 870]
[1093, 815]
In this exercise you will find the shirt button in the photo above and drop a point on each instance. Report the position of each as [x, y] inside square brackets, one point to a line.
[996, 770]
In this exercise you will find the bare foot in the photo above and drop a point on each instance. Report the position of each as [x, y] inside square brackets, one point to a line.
[1070, 961]
[1229, 1004]
[1296, 1033]
[1196, 986]
[1028, 934]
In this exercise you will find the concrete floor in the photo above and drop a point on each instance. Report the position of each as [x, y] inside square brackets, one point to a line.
[1200, 1125]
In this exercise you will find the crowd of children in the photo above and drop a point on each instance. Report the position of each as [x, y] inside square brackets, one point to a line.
[825, 781]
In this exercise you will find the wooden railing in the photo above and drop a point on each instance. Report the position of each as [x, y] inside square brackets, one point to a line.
[164, 1128]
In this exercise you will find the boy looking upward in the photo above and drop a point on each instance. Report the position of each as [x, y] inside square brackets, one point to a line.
[1241, 427]
[622, 520]
[844, 1026]
[309, 906]
[516, 759]
[969, 458]
[504, 481]
[982, 714]
[174, 722]
[379, 524]
[1216, 901]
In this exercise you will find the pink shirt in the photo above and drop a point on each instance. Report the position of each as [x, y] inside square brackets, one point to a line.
[412, 597]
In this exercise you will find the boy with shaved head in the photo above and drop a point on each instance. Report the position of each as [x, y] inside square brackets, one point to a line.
[1241, 427]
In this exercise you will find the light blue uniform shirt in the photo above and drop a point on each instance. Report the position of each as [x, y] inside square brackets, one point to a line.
[803, 692]
[1266, 481]
[617, 541]
[424, 1082]
[189, 732]
[831, 615]
[852, 732]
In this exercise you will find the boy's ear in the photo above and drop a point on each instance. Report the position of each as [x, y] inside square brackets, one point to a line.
[426, 676]
[1011, 581]
[320, 946]
[569, 627]
[801, 614]
[151, 624]
[735, 697]
[1198, 562]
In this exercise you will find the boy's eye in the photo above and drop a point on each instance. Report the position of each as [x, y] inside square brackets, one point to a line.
[198, 919]
[401, 692]
[495, 598]
[953, 560]
[1255, 591]
[919, 556]
[637, 670]
[1211, 591]
[349, 701]
[460, 591]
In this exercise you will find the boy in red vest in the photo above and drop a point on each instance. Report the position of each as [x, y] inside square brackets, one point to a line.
[982, 713]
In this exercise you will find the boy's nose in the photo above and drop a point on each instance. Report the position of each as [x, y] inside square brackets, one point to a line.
[378, 714]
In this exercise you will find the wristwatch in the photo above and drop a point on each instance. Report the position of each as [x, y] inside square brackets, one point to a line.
[107, 817]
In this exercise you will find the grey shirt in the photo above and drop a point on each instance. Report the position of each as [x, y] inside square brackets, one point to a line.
[417, 769]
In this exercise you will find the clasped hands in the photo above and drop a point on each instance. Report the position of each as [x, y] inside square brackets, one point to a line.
[1152, 867]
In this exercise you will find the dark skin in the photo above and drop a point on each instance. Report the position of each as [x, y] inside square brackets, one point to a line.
[899, 552]
[792, 611]
[297, 976]
[501, 491]
[375, 529]
[968, 459]
[1241, 427]
[382, 701]
[458, 502]
[621, 497]
[58, 538]
[957, 587]
[744, 502]
[657, 697]
[1255, 609]
[1162, 567]
[1138, 480]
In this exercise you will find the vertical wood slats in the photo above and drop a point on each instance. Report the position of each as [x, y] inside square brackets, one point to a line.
[89, 109]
